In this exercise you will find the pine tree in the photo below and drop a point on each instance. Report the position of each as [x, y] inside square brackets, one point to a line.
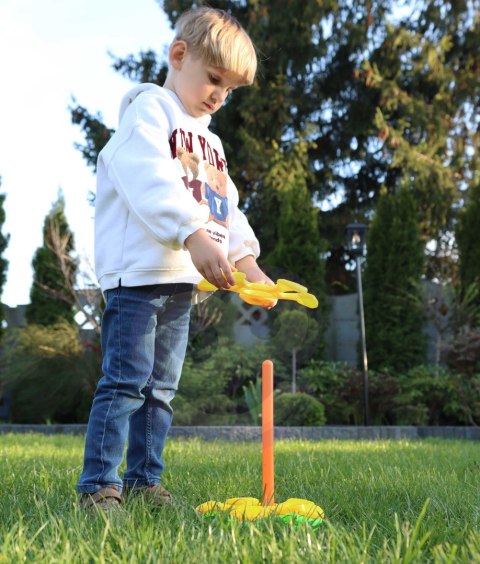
[50, 296]
[298, 245]
[392, 294]
[468, 247]
[3, 262]
[423, 79]
[297, 254]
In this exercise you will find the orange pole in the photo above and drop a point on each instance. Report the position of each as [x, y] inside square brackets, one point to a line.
[267, 432]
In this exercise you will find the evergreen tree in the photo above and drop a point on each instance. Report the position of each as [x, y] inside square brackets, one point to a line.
[394, 266]
[468, 247]
[298, 245]
[51, 296]
[3, 262]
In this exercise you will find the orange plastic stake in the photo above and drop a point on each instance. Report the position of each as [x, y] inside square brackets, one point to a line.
[267, 433]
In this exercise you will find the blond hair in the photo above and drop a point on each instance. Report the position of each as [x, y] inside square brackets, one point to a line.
[219, 39]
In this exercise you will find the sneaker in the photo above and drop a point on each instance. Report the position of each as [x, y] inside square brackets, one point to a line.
[155, 494]
[105, 499]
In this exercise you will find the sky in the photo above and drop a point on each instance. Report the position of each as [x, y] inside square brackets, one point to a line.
[51, 51]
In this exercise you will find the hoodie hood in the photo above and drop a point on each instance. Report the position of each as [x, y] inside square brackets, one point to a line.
[148, 86]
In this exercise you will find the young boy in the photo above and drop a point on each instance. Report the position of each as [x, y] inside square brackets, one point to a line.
[166, 215]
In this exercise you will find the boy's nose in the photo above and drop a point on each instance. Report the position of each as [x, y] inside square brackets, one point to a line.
[219, 95]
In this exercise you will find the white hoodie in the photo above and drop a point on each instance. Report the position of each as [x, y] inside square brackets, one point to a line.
[161, 177]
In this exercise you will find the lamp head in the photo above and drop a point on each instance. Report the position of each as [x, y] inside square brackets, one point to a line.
[356, 239]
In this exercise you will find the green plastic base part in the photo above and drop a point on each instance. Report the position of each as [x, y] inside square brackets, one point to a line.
[293, 519]
[288, 519]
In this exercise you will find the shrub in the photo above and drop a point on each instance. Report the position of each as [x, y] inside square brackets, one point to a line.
[327, 381]
[339, 387]
[462, 352]
[425, 395]
[466, 408]
[51, 374]
[431, 395]
[201, 399]
[253, 399]
[211, 389]
[298, 409]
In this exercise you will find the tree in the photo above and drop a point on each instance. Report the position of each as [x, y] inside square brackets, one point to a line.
[424, 74]
[298, 252]
[393, 315]
[295, 335]
[80, 291]
[3, 262]
[96, 133]
[51, 293]
[391, 98]
[467, 240]
[50, 373]
[298, 248]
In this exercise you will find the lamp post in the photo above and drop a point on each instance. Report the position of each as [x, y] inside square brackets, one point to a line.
[356, 234]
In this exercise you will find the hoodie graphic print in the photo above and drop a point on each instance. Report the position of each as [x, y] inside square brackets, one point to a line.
[205, 179]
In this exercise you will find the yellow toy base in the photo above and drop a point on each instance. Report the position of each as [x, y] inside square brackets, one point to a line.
[250, 508]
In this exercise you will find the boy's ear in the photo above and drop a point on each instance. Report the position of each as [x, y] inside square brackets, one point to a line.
[177, 54]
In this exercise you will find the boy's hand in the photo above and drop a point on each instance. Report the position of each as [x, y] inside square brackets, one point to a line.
[249, 266]
[209, 259]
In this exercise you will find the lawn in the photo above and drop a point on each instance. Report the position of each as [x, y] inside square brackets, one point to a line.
[385, 501]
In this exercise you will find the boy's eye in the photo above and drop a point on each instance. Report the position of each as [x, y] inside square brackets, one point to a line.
[213, 79]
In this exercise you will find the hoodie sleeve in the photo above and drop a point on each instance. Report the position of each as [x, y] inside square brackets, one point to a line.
[242, 238]
[139, 164]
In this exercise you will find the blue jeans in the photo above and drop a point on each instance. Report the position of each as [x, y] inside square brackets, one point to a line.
[144, 339]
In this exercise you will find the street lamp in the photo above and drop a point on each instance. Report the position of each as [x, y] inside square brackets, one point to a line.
[356, 235]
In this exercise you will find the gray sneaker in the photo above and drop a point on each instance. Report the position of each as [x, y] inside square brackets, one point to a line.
[155, 495]
[105, 499]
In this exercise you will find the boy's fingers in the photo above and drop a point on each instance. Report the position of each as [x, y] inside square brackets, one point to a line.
[228, 277]
[220, 280]
[217, 277]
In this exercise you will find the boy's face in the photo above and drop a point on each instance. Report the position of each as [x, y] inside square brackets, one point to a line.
[202, 88]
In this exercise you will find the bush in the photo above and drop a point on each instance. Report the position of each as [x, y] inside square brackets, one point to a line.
[466, 408]
[327, 381]
[51, 374]
[462, 352]
[339, 387]
[201, 399]
[432, 395]
[298, 409]
[211, 389]
[424, 395]
[423, 392]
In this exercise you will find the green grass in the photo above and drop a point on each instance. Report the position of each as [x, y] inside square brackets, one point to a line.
[398, 501]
